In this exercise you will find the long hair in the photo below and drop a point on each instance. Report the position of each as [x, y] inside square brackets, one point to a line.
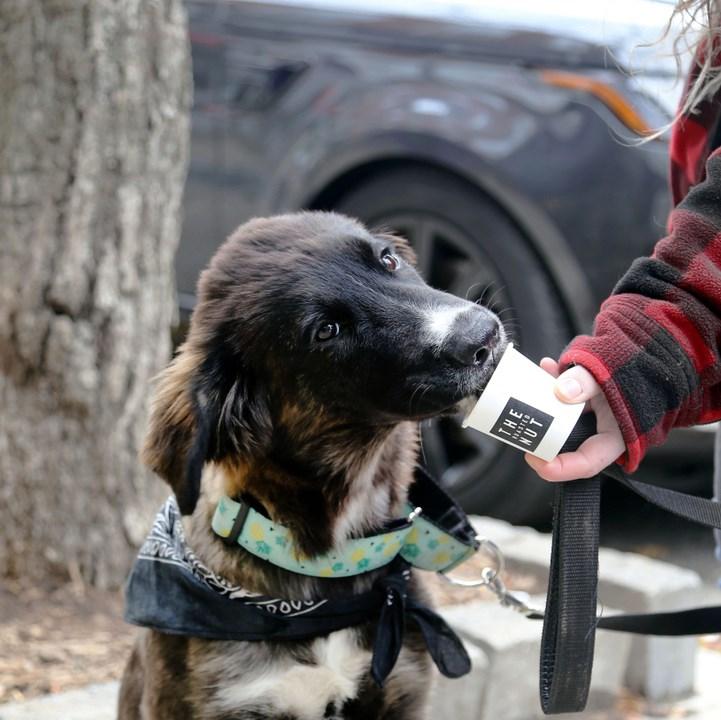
[697, 26]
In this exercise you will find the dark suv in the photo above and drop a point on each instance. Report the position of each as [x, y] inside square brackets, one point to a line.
[507, 153]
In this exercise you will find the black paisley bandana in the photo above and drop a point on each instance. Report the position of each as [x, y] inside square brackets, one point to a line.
[171, 591]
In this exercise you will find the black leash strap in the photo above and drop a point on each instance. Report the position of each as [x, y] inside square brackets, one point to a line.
[570, 619]
[690, 507]
[568, 630]
[696, 621]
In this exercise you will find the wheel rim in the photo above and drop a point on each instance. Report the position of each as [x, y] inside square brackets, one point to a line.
[450, 260]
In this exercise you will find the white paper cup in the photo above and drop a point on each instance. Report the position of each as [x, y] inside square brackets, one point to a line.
[518, 407]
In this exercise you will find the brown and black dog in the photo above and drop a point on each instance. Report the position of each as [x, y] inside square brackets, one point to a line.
[314, 350]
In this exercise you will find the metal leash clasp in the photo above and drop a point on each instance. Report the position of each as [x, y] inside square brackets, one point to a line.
[505, 597]
[491, 579]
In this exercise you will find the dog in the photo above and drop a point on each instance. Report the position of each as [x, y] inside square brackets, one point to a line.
[313, 352]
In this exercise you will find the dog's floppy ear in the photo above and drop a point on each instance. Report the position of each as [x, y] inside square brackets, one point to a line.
[174, 448]
[401, 245]
[199, 414]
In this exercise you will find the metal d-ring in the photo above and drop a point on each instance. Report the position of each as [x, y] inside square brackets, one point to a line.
[489, 573]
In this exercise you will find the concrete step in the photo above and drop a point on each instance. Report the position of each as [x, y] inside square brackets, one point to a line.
[511, 644]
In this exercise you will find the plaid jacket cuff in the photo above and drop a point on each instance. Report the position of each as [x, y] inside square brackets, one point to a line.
[577, 354]
[650, 383]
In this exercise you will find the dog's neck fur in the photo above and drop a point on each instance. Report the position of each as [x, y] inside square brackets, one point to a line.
[324, 493]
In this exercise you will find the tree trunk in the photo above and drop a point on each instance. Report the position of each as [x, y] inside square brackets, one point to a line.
[94, 103]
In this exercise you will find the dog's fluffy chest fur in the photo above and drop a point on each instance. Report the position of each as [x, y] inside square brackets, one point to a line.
[314, 685]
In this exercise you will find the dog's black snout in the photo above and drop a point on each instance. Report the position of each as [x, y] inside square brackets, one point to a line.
[473, 337]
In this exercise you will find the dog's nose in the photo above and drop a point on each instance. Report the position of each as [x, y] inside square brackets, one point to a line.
[472, 337]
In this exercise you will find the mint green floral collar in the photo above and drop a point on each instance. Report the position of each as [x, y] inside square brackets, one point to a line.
[417, 539]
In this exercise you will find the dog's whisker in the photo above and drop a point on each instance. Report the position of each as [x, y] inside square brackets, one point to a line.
[413, 394]
[421, 446]
[468, 292]
[483, 294]
[496, 293]
[427, 388]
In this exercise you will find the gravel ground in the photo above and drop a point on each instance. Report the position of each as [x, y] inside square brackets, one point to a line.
[59, 639]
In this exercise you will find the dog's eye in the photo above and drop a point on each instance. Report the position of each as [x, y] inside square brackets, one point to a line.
[327, 331]
[389, 260]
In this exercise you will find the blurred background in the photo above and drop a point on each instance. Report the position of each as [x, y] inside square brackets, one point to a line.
[501, 137]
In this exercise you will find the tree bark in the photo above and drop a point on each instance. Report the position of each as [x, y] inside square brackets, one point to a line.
[94, 121]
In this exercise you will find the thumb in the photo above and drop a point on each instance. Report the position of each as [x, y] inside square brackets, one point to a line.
[576, 385]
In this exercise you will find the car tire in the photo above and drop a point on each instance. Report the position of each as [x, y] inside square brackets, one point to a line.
[484, 475]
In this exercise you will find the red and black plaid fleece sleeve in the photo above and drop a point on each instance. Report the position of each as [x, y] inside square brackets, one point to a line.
[655, 348]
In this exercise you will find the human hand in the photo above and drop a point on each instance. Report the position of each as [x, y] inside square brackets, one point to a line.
[575, 385]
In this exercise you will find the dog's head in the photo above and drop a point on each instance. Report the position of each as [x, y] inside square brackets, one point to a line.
[304, 320]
